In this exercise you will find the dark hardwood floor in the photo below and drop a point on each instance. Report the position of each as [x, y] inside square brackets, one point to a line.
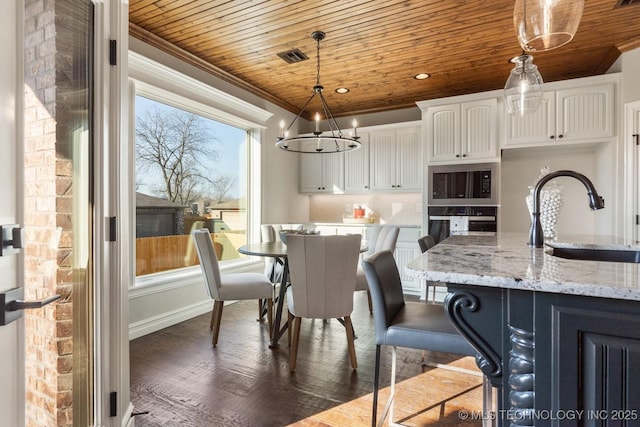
[181, 380]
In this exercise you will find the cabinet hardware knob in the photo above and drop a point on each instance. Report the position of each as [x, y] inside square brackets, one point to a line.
[552, 137]
[560, 136]
[464, 155]
[457, 155]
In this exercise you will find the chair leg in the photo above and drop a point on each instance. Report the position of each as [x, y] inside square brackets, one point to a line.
[289, 327]
[293, 352]
[392, 386]
[388, 407]
[260, 307]
[270, 316]
[376, 385]
[487, 402]
[350, 342]
[216, 317]
[370, 302]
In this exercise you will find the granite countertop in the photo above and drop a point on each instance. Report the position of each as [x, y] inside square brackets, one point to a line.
[505, 260]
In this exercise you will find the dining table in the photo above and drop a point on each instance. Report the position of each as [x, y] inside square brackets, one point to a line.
[278, 249]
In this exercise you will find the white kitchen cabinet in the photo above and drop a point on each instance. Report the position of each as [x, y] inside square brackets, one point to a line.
[406, 250]
[356, 168]
[462, 132]
[396, 159]
[578, 114]
[322, 173]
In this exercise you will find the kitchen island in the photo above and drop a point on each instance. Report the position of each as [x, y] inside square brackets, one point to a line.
[559, 338]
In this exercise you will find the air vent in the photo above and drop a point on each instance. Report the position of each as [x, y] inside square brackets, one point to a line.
[623, 3]
[293, 56]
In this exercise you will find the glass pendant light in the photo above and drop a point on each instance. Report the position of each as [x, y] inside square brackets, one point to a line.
[523, 90]
[546, 24]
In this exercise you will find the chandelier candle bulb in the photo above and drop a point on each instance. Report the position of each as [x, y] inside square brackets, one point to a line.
[355, 127]
[317, 122]
[282, 134]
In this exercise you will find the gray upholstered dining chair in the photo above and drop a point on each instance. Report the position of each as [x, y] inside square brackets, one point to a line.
[379, 238]
[229, 287]
[402, 324]
[322, 272]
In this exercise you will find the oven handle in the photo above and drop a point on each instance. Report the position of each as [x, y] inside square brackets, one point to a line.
[471, 218]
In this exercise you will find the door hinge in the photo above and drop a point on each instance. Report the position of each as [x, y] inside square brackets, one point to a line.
[635, 138]
[113, 231]
[637, 219]
[113, 44]
[113, 403]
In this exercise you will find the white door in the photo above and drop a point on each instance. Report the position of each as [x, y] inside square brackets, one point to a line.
[11, 335]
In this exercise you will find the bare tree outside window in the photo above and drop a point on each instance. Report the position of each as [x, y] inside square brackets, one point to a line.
[176, 145]
[190, 173]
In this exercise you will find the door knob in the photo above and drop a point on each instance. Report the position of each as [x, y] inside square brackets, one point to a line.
[12, 304]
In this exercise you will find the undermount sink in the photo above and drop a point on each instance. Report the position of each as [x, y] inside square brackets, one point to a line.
[593, 254]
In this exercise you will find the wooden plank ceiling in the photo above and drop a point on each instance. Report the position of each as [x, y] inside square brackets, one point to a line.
[372, 47]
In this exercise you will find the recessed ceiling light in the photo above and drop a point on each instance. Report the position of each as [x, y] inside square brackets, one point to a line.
[342, 90]
[422, 76]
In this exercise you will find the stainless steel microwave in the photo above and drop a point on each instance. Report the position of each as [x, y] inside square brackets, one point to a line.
[463, 184]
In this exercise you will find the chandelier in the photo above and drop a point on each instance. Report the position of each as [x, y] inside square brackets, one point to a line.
[318, 143]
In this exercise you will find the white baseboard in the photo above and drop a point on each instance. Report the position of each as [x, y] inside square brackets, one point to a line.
[164, 320]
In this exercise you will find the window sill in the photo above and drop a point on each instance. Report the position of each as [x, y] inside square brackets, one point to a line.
[181, 277]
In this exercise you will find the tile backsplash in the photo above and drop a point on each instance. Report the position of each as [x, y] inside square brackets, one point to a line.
[401, 208]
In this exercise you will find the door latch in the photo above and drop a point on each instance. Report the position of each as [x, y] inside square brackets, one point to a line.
[12, 304]
[12, 239]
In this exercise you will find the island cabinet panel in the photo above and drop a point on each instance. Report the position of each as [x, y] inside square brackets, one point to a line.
[590, 360]
[555, 359]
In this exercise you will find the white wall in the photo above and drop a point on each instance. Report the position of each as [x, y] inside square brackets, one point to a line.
[521, 167]
[630, 81]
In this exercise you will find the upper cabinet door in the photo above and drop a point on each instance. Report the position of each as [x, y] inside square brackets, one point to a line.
[479, 129]
[462, 132]
[574, 115]
[409, 159]
[383, 160]
[585, 113]
[536, 127]
[356, 168]
[443, 132]
[321, 173]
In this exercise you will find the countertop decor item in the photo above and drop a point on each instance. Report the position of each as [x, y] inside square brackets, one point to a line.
[319, 143]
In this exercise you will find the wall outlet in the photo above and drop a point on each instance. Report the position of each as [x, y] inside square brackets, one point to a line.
[419, 207]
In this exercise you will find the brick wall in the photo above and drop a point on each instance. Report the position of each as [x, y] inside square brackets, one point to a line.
[49, 81]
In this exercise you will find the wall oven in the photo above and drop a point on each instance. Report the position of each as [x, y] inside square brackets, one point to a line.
[447, 220]
[463, 184]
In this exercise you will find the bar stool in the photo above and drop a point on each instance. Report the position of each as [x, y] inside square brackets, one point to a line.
[411, 325]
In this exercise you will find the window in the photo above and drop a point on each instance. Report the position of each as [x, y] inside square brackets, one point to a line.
[195, 167]
[190, 173]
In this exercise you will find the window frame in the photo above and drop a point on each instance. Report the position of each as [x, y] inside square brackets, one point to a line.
[161, 83]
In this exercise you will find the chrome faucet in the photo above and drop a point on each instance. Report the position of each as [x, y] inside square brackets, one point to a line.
[536, 235]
